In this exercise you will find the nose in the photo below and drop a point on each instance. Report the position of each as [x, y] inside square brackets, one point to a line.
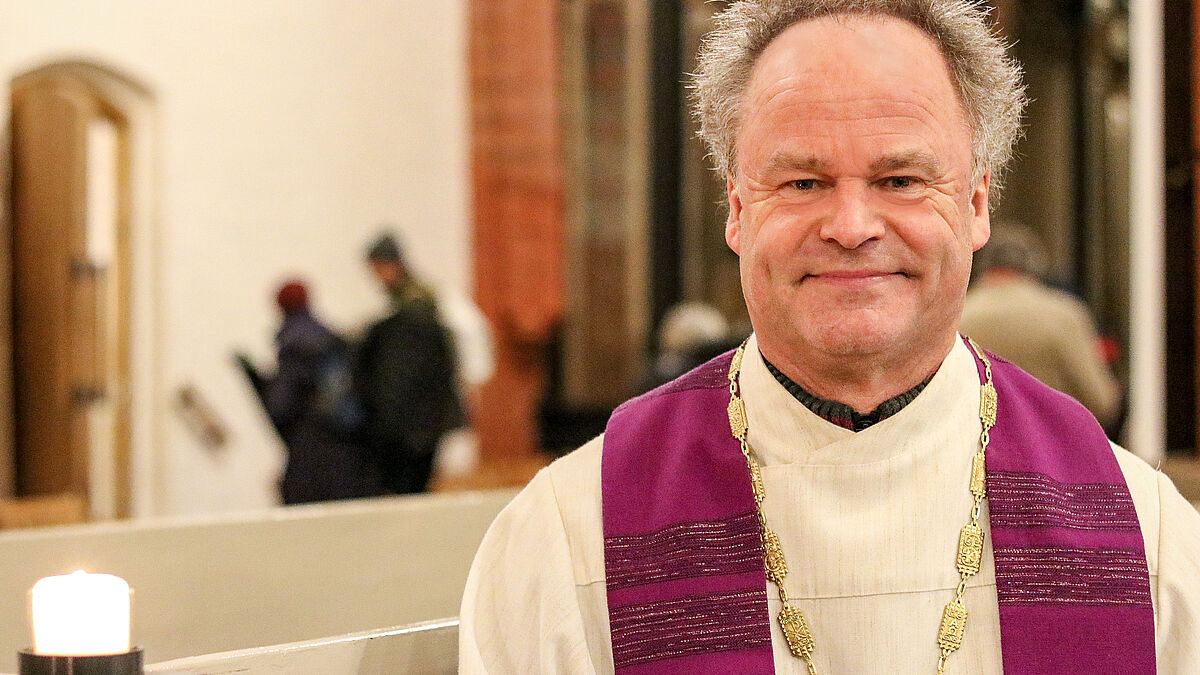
[853, 221]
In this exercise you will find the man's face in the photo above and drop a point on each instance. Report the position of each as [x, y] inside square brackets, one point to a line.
[389, 273]
[852, 209]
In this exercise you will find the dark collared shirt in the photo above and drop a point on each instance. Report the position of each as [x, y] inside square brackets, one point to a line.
[841, 414]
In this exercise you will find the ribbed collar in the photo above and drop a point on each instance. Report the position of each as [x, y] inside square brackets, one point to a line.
[841, 414]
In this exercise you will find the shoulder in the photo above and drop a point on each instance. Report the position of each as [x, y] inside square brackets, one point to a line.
[1067, 306]
[1163, 513]
[305, 335]
[1144, 486]
[563, 497]
[533, 601]
[1171, 530]
[409, 322]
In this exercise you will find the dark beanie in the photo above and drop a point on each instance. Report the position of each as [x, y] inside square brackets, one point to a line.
[292, 296]
[385, 249]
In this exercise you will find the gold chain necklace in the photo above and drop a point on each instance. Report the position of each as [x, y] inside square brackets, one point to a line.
[970, 538]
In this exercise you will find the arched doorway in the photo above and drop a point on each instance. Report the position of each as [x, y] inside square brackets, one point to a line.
[73, 202]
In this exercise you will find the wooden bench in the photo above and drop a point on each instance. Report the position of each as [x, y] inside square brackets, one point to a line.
[205, 585]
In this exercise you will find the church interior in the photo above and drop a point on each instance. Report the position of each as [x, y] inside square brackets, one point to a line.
[171, 164]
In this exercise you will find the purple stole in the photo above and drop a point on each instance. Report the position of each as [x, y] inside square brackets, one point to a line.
[687, 592]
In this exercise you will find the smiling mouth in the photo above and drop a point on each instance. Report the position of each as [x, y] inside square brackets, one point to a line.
[852, 277]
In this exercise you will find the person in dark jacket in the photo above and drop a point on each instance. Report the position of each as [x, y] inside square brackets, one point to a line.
[326, 459]
[406, 375]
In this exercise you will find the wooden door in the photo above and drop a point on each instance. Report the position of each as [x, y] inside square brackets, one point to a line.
[54, 288]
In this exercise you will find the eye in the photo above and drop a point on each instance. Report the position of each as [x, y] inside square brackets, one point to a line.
[902, 183]
[804, 184]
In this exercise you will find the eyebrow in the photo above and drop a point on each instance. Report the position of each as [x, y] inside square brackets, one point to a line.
[921, 160]
[787, 161]
[909, 159]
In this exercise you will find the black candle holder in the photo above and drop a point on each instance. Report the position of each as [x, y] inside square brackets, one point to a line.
[129, 663]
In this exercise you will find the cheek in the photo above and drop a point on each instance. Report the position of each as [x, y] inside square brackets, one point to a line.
[955, 268]
[779, 228]
[760, 267]
[936, 228]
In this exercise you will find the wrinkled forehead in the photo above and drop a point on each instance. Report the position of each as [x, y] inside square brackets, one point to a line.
[854, 58]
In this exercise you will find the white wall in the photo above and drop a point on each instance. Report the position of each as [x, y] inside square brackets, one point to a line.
[287, 131]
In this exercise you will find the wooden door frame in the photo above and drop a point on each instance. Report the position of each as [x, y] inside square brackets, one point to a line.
[128, 106]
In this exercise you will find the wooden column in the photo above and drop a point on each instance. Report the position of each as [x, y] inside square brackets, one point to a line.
[1196, 185]
[518, 209]
[8, 449]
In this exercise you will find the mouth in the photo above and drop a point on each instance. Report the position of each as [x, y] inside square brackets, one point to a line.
[853, 278]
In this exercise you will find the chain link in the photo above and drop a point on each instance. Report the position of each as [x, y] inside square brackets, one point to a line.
[953, 625]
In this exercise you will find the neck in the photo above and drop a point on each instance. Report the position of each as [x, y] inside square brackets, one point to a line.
[859, 381]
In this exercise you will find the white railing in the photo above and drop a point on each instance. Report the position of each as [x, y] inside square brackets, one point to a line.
[283, 576]
[429, 648]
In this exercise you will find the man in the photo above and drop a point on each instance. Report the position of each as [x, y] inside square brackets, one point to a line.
[1047, 332]
[471, 337]
[406, 375]
[690, 334]
[924, 507]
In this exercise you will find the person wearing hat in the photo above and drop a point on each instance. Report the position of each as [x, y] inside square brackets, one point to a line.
[391, 270]
[406, 375]
[308, 401]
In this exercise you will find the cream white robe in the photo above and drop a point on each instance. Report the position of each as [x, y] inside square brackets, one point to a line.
[869, 523]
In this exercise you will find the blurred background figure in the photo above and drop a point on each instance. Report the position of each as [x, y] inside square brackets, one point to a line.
[406, 374]
[1048, 332]
[311, 403]
[458, 453]
[690, 334]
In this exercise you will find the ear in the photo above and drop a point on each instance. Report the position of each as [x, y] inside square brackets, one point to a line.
[733, 224]
[981, 222]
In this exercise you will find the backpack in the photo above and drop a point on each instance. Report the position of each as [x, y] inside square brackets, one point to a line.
[335, 399]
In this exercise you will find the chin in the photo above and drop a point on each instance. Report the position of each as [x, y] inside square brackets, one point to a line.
[852, 338]
[849, 346]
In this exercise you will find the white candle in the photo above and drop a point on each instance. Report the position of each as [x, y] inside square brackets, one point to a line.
[80, 614]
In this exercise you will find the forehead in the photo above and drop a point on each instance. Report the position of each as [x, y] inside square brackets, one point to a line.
[853, 67]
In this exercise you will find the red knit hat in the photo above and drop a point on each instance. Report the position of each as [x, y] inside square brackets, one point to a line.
[292, 296]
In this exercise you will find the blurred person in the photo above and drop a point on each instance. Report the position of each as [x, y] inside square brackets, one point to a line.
[406, 374]
[858, 488]
[310, 403]
[471, 333]
[690, 334]
[458, 453]
[1047, 332]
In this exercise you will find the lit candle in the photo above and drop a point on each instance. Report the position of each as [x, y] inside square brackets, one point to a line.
[80, 614]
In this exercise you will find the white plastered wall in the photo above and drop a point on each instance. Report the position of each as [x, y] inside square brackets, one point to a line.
[284, 134]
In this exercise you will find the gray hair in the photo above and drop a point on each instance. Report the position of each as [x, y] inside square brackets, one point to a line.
[988, 81]
[1016, 247]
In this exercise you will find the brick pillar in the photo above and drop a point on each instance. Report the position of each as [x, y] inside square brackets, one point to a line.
[518, 209]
